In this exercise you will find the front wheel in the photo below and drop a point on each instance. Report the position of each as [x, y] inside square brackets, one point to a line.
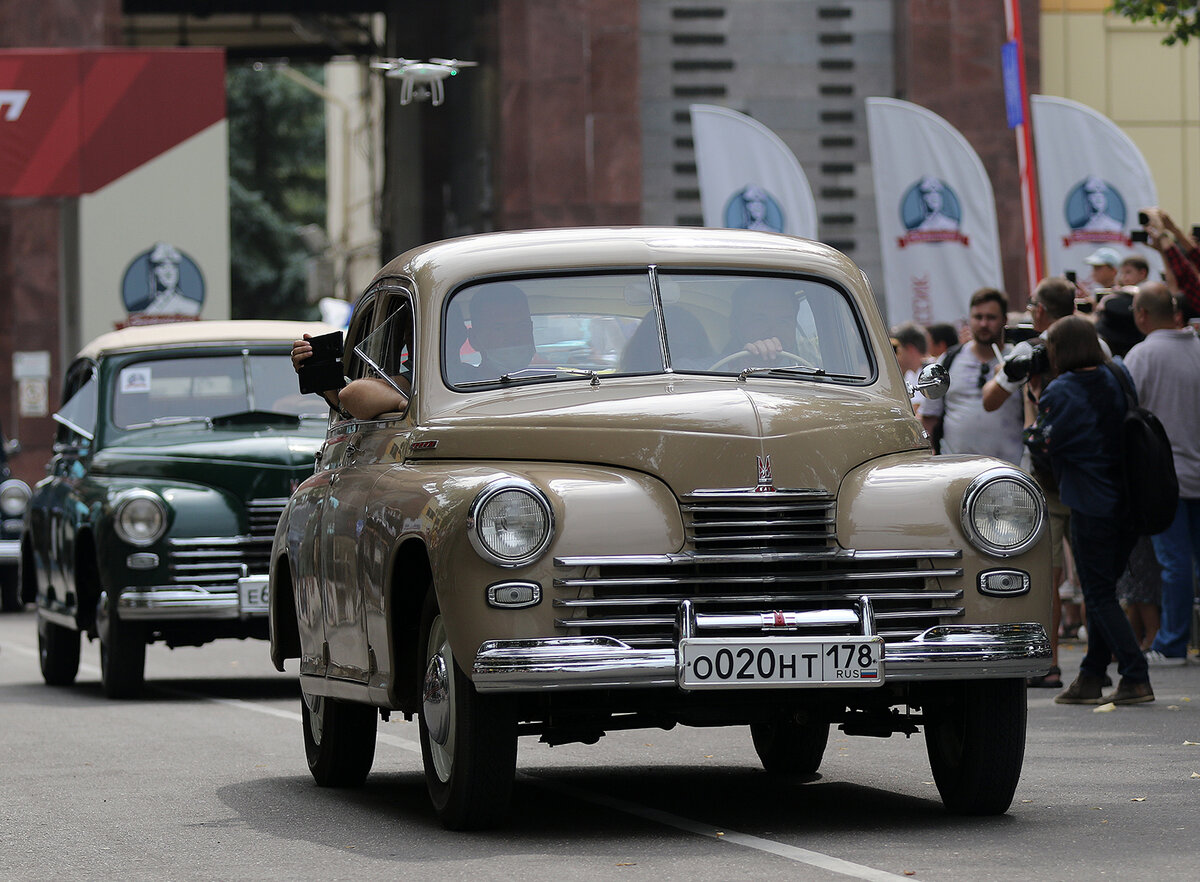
[339, 739]
[468, 741]
[788, 746]
[58, 653]
[122, 655]
[975, 737]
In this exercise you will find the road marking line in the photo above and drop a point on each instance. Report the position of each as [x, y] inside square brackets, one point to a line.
[746, 840]
[790, 852]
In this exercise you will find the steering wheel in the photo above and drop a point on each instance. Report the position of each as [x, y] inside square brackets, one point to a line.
[742, 353]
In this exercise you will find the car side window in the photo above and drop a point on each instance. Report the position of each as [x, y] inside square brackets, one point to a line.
[77, 417]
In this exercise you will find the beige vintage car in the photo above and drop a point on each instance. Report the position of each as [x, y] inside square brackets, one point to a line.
[649, 477]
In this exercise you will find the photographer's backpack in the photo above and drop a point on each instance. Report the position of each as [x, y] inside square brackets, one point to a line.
[1147, 465]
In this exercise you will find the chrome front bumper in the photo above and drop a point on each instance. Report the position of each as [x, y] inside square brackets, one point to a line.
[945, 652]
[10, 551]
[186, 602]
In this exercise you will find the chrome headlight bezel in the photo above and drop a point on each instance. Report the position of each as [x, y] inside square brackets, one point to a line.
[970, 501]
[130, 504]
[14, 498]
[478, 522]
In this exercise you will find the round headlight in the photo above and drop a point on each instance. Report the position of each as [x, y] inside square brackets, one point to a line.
[510, 523]
[140, 517]
[1003, 512]
[14, 498]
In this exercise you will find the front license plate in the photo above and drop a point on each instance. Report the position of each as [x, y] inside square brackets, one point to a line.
[254, 595]
[779, 662]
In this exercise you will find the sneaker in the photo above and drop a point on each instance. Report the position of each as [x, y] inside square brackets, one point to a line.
[1131, 693]
[1156, 659]
[1085, 690]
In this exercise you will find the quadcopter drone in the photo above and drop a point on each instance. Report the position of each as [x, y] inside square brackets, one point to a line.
[421, 80]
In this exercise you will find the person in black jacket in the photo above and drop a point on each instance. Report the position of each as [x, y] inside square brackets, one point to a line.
[1078, 428]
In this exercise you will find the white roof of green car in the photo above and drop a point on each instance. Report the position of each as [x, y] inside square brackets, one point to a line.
[175, 334]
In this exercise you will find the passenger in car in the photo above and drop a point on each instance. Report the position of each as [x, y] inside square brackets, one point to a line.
[363, 399]
[688, 343]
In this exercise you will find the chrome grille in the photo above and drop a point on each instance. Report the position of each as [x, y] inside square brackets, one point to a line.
[216, 563]
[751, 555]
[263, 516]
[760, 520]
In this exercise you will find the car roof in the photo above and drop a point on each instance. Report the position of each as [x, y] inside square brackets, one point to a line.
[176, 334]
[516, 251]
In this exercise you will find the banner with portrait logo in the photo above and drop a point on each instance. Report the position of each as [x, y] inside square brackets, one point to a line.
[1092, 180]
[749, 179]
[936, 212]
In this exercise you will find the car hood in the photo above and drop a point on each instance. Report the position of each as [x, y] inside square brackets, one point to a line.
[693, 433]
[253, 465]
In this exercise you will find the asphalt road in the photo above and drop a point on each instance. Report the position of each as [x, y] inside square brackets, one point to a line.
[205, 778]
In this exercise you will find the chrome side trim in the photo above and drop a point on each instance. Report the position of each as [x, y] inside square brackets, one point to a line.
[945, 652]
[765, 557]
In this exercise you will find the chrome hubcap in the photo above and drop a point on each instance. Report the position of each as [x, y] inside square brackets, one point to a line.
[435, 700]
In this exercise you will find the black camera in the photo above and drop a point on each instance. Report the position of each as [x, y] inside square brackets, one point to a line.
[1143, 218]
[322, 370]
[1069, 275]
[1026, 362]
[1139, 236]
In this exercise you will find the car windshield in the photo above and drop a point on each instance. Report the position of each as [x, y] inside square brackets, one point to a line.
[167, 391]
[596, 325]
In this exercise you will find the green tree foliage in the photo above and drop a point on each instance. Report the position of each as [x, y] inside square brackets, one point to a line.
[276, 184]
[1182, 17]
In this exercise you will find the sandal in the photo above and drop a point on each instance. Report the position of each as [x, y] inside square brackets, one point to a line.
[1052, 679]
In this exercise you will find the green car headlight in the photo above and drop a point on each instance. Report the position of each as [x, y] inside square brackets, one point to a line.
[139, 517]
[1003, 512]
[510, 523]
[14, 498]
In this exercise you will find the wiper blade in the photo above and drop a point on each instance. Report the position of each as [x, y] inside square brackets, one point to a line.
[171, 421]
[536, 374]
[256, 416]
[798, 370]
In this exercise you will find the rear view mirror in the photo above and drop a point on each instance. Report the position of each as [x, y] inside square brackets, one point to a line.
[933, 381]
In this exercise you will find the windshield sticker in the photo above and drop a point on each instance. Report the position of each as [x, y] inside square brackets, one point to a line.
[135, 379]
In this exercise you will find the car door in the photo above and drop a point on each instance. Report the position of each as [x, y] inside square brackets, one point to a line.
[60, 508]
[358, 454]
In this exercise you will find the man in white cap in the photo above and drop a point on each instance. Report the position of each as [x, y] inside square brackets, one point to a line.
[1104, 263]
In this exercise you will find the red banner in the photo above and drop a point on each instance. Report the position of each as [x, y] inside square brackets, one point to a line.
[72, 121]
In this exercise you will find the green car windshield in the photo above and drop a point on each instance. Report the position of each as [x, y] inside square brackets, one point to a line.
[593, 325]
[158, 392]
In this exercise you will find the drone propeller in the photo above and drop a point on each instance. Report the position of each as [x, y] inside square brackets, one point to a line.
[453, 62]
[386, 64]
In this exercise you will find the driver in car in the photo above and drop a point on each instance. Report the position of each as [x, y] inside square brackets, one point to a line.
[763, 321]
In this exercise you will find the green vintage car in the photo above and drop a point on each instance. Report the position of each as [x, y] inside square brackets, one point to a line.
[178, 446]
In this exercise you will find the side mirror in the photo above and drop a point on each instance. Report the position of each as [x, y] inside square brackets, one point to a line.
[933, 381]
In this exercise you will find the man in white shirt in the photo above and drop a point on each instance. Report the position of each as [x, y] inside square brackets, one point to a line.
[959, 418]
[1166, 370]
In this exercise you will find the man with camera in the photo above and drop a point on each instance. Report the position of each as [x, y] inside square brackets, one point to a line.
[1028, 366]
[958, 422]
[1181, 255]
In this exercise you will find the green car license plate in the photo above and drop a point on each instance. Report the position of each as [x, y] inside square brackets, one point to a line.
[254, 595]
[779, 662]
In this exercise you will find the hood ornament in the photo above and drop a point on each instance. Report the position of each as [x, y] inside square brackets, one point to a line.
[766, 483]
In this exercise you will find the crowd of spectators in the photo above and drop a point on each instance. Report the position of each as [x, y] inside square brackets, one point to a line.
[1052, 405]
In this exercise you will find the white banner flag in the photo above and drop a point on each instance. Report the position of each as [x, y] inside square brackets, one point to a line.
[936, 212]
[749, 179]
[1092, 180]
